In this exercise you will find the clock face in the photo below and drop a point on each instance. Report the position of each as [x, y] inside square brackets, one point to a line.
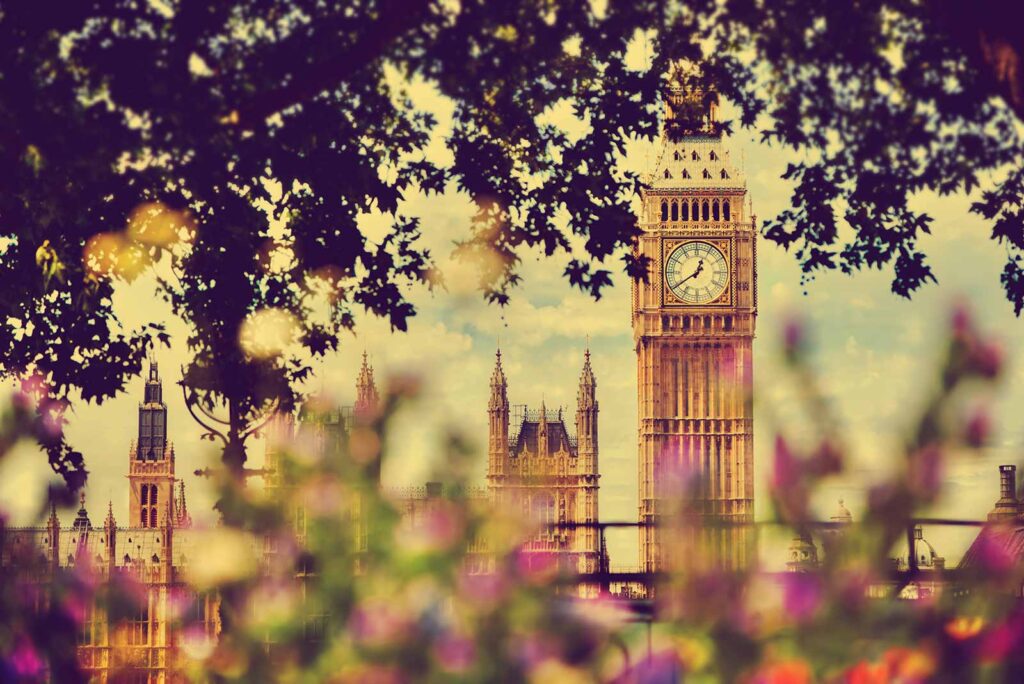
[697, 272]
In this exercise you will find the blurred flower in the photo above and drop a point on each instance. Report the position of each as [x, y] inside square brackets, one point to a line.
[986, 358]
[867, 673]
[157, 225]
[694, 653]
[196, 643]
[552, 671]
[229, 556]
[794, 338]
[783, 672]
[978, 428]
[24, 660]
[267, 333]
[660, 667]
[438, 528]
[964, 627]
[363, 444]
[273, 604]
[803, 594]
[484, 590]
[379, 622]
[114, 255]
[926, 470]
[455, 652]
[787, 485]
[828, 459]
[908, 664]
[1001, 640]
[536, 567]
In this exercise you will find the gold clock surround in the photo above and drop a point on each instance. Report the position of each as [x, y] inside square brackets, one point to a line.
[724, 244]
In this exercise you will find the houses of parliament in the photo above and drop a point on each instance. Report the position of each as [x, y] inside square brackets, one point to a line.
[693, 322]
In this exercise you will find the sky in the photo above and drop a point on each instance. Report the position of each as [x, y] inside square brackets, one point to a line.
[875, 355]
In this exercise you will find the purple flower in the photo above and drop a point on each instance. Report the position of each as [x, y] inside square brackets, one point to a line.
[802, 595]
[978, 428]
[24, 659]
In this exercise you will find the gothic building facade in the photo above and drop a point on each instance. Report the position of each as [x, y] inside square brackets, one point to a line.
[151, 553]
[693, 328]
[536, 465]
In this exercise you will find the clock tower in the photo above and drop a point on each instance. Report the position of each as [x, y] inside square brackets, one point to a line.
[693, 329]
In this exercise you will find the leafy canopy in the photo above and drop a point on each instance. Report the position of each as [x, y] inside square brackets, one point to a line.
[243, 140]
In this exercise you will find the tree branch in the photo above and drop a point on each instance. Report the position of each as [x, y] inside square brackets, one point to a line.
[189, 403]
[396, 18]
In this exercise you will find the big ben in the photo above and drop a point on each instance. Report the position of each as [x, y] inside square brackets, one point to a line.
[693, 329]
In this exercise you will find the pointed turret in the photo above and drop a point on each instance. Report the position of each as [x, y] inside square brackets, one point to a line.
[367, 397]
[498, 414]
[53, 534]
[183, 519]
[586, 417]
[110, 538]
[82, 522]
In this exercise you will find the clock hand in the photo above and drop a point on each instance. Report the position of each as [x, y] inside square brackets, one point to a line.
[700, 267]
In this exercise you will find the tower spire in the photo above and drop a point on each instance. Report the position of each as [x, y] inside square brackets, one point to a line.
[498, 416]
[367, 397]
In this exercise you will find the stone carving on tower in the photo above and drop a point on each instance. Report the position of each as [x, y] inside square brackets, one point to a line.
[693, 329]
[151, 461]
[538, 467]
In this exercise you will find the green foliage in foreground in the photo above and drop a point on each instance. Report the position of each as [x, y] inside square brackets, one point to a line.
[354, 589]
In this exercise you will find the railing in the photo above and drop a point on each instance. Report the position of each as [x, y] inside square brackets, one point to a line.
[899, 575]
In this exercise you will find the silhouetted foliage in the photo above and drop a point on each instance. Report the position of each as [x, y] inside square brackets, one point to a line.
[244, 140]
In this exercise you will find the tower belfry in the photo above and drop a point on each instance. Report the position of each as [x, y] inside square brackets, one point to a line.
[693, 329]
[151, 458]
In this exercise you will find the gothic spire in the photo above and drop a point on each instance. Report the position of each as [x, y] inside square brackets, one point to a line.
[366, 389]
[109, 522]
[82, 522]
[498, 376]
[588, 383]
[499, 385]
[181, 508]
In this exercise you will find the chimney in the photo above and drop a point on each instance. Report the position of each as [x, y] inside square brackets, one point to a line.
[1006, 506]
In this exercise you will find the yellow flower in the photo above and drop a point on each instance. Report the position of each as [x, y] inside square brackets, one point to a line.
[965, 627]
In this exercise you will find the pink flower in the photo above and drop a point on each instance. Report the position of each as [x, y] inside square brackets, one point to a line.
[787, 484]
[24, 659]
[483, 589]
[986, 358]
[978, 428]
[377, 622]
[660, 667]
[454, 652]
[793, 337]
[536, 567]
[926, 468]
[802, 595]
[1000, 641]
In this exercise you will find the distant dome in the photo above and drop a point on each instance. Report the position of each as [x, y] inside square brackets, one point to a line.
[842, 514]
